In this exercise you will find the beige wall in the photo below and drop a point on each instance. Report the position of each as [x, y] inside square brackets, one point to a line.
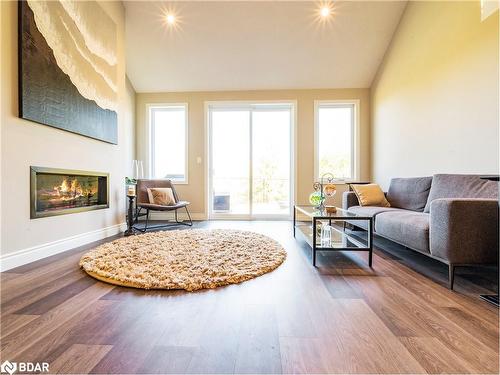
[25, 143]
[435, 97]
[195, 191]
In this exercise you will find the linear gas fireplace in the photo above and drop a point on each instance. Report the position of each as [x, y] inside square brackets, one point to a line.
[63, 191]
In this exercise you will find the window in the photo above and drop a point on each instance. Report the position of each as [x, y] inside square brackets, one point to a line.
[335, 139]
[168, 143]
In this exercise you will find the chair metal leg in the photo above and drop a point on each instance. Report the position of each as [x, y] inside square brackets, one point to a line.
[147, 220]
[177, 222]
[451, 276]
[137, 213]
[189, 216]
[190, 224]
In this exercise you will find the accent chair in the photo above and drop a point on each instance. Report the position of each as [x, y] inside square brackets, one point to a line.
[143, 203]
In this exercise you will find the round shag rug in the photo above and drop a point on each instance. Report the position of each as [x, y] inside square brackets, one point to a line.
[184, 259]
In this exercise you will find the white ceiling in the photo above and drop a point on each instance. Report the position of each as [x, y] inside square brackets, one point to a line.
[245, 45]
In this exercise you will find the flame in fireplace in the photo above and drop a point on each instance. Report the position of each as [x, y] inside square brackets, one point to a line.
[63, 188]
[76, 188]
[72, 189]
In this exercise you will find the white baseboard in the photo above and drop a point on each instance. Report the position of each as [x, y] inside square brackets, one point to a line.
[170, 216]
[24, 256]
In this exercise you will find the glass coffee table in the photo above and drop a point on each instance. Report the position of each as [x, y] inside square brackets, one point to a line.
[310, 231]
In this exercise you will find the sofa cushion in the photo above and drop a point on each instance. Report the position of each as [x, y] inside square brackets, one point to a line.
[371, 211]
[409, 193]
[405, 227]
[370, 195]
[460, 186]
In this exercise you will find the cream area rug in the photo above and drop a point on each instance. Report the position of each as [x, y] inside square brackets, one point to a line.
[184, 259]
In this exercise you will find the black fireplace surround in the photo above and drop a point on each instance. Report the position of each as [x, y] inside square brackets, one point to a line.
[64, 191]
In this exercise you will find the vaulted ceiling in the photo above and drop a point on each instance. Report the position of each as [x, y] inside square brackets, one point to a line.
[246, 45]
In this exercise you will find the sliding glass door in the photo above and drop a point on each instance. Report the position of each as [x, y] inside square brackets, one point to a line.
[230, 158]
[271, 161]
[250, 160]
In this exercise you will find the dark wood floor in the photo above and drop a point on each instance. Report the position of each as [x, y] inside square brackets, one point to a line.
[341, 317]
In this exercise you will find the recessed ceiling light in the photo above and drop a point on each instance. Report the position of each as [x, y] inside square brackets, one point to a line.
[325, 11]
[170, 19]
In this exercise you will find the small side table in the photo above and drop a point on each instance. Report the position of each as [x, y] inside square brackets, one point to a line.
[130, 217]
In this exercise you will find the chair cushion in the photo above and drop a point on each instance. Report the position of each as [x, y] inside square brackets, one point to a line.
[460, 186]
[370, 195]
[409, 193]
[161, 196]
[405, 227]
[372, 211]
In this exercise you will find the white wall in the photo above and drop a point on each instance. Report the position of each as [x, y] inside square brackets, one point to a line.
[435, 97]
[130, 128]
[25, 144]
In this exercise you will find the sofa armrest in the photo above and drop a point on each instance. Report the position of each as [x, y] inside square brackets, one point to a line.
[464, 231]
[349, 199]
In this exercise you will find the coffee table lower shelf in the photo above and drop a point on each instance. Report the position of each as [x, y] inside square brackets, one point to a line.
[340, 241]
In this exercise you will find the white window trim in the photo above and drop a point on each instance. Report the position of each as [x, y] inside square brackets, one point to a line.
[355, 153]
[149, 108]
[231, 104]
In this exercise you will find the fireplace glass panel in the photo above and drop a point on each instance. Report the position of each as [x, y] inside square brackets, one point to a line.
[56, 192]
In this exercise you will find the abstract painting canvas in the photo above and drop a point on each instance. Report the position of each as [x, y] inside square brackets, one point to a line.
[68, 67]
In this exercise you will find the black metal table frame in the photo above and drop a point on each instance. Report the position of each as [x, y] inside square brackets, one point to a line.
[344, 219]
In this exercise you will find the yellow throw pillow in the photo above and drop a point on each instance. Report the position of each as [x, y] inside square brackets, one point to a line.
[370, 195]
[161, 196]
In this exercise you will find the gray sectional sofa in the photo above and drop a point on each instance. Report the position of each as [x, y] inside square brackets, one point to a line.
[449, 217]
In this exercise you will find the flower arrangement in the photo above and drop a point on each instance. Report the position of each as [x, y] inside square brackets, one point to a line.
[323, 189]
